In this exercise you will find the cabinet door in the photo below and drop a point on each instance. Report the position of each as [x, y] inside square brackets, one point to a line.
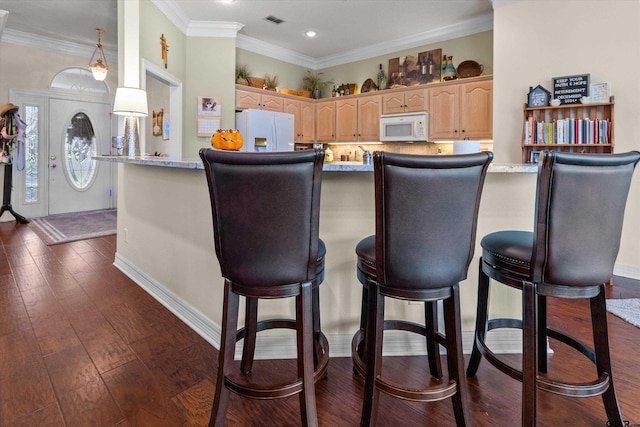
[347, 120]
[369, 118]
[272, 103]
[444, 113]
[308, 121]
[476, 110]
[292, 106]
[325, 121]
[393, 103]
[246, 99]
[415, 100]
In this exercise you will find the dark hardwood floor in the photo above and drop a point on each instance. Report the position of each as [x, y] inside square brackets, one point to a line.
[82, 345]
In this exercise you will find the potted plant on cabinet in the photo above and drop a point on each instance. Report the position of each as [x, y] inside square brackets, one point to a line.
[270, 81]
[313, 82]
[242, 75]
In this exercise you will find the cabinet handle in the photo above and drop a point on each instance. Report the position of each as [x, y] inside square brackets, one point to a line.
[455, 131]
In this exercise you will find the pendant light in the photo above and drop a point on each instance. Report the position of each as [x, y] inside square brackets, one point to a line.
[99, 68]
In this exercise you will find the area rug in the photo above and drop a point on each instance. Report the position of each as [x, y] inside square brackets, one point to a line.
[627, 309]
[61, 228]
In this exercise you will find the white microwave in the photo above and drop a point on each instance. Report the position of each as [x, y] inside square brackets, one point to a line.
[406, 127]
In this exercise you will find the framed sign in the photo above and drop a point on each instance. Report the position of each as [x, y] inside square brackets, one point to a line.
[570, 89]
[599, 92]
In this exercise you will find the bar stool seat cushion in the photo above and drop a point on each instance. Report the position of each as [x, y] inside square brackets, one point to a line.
[509, 251]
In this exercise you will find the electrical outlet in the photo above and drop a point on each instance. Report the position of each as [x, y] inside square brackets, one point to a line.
[126, 235]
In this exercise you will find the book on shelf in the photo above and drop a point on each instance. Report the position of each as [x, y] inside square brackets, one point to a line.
[567, 131]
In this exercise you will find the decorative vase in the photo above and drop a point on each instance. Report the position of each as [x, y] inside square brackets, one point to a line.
[449, 71]
[316, 94]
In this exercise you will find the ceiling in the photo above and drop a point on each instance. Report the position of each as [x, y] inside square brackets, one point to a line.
[344, 27]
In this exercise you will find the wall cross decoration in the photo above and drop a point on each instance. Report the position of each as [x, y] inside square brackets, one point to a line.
[165, 49]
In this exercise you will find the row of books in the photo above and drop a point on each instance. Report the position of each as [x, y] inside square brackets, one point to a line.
[567, 131]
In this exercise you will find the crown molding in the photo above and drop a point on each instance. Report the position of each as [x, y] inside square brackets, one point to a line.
[272, 51]
[174, 13]
[4, 14]
[500, 3]
[461, 29]
[56, 45]
[213, 29]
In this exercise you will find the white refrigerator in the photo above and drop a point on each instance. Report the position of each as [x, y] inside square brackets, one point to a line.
[265, 131]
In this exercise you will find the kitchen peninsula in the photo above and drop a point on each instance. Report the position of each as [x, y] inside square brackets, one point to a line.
[165, 244]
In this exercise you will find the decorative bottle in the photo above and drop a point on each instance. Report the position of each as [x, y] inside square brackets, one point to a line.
[382, 79]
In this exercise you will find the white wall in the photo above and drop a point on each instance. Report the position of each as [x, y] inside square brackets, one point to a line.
[536, 40]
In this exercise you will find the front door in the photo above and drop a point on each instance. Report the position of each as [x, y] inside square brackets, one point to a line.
[78, 130]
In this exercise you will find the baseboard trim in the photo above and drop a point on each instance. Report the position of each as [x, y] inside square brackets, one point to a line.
[396, 343]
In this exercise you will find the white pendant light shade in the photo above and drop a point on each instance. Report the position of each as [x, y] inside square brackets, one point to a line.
[130, 101]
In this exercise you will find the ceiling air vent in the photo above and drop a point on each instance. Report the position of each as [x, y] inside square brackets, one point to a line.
[274, 19]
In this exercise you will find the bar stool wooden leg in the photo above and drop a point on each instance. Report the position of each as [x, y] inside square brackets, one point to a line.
[603, 357]
[305, 334]
[529, 354]
[373, 354]
[542, 333]
[225, 358]
[250, 328]
[433, 348]
[481, 321]
[455, 359]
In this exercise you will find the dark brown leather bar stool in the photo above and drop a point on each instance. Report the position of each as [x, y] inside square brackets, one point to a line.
[571, 252]
[265, 209]
[426, 215]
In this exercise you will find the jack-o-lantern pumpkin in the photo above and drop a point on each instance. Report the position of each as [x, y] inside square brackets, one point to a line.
[227, 139]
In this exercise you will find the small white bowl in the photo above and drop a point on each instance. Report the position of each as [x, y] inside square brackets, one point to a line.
[555, 102]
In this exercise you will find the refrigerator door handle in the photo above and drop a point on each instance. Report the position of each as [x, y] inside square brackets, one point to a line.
[275, 133]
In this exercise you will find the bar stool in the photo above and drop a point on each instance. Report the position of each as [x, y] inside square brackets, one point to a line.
[580, 205]
[426, 215]
[265, 209]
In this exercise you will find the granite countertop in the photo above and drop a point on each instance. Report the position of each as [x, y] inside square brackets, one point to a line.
[329, 167]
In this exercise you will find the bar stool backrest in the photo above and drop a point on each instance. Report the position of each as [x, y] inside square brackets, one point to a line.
[580, 206]
[265, 209]
[426, 216]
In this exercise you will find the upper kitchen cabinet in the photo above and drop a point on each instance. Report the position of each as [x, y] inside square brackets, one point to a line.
[461, 110]
[405, 101]
[326, 121]
[358, 118]
[304, 113]
[257, 98]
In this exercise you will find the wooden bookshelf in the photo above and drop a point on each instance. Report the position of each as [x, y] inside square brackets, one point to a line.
[576, 128]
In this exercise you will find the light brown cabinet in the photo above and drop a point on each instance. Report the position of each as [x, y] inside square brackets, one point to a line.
[358, 118]
[457, 109]
[304, 113]
[406, 101]
[247, 98]
[347, 119]
[326, 121]
[369, 110]
[463, 110]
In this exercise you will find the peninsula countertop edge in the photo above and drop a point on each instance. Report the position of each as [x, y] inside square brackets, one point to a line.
[328, 167]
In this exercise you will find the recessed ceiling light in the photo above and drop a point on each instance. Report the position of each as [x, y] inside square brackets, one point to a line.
[310, 33]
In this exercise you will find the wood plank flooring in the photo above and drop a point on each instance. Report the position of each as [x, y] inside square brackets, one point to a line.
[82, 345]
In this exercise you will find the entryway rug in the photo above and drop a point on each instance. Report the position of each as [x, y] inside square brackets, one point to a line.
[61, 228]
[627, 309]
